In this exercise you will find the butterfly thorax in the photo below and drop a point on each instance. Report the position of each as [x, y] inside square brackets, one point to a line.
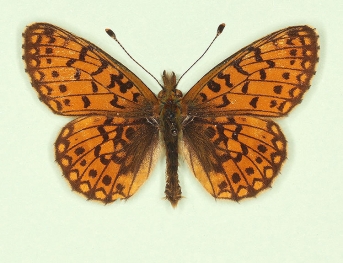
[170, 128]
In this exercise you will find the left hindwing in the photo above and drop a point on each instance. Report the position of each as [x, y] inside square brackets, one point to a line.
[234, 157]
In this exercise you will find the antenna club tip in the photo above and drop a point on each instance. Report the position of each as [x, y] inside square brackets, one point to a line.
[110, 33]
[220, 28]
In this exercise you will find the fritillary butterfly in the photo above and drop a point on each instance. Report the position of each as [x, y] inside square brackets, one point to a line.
[222, 125]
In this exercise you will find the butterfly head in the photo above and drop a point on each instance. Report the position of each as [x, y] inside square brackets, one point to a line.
[169, 90]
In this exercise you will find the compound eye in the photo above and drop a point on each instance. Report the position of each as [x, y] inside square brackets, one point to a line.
[178, 93]
[160, 94]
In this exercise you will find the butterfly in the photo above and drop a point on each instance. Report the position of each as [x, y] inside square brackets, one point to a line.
[222, 126]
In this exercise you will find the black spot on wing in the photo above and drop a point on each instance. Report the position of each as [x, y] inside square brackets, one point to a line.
[86, 102]
[114, 102]
[225, 102]
[245, 87]
[235, 178]
[212, 85]
[277, 89]
[83, 53]
[263, 74]
[227, 78]
[104, 65]
[253, 102]
[94, 87]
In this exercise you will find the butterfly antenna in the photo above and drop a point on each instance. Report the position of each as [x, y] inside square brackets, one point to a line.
[113, 35]
[219, 31]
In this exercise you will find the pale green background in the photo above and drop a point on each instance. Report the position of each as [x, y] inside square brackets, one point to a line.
[299, 220]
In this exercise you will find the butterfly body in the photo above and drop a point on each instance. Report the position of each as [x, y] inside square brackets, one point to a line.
[171, 132]
[222, 126]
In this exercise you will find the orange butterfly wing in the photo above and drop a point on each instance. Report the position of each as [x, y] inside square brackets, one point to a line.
[235, 156]
[75, 77]
[266, 78]
[103, 156]
[107, 158]
[233, 151]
